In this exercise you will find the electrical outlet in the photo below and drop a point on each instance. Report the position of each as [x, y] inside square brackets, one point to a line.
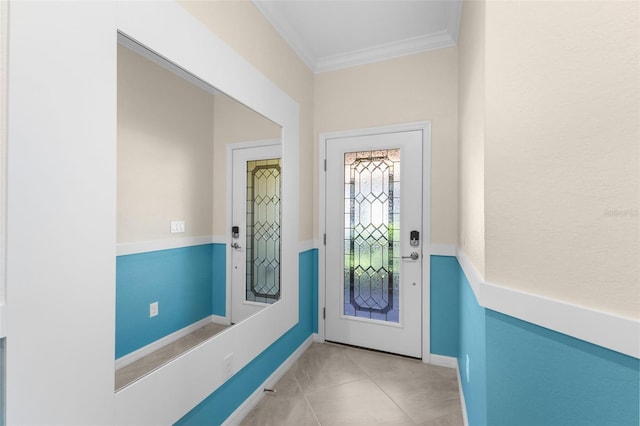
[153, 309]
[227, 366]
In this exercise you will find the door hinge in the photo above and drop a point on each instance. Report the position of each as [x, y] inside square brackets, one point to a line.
[324, 313]
[324, 239]
[325, 164]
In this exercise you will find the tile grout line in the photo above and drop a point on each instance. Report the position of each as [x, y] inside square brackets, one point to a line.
[311, 370]
[384, 392]
[416, 422]
[304, 395]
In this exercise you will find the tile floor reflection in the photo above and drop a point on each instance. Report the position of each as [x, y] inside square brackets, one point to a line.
[137, 369]
[339, 385]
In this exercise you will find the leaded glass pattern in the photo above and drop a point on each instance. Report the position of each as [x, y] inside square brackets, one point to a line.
[263, 231]
[372, 225]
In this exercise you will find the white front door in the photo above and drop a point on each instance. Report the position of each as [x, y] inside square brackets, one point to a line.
[255, 242]
[374, 242]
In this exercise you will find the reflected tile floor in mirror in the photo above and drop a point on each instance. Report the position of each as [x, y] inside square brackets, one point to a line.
[339, 385]
[137, 369]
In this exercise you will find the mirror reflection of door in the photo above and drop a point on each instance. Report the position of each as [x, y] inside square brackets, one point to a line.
[255, 241]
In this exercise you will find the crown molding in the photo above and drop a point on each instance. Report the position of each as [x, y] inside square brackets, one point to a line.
[410, 46]
[381, 52]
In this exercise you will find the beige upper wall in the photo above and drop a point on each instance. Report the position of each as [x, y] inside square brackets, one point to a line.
[165, 151]
[561, 151]
[234, 123]
[471, 104]
[172, 151]
[548, 136]
[239, 24]
[420, 87]
[414, 88]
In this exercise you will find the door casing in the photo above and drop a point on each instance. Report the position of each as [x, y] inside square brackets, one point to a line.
[425, 127]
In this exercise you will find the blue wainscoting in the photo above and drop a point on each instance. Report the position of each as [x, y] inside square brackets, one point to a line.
[219, 280]
[444, 306]
[3, 369]
[512, 372]
[472, 352]
[538, 376]
[188, 284]
[523, 374]
[226, 399]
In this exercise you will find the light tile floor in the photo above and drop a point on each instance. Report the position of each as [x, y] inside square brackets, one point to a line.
[140, 368]
[339, 385]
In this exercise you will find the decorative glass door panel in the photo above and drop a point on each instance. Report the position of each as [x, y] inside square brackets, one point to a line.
[371, 223]
[263, 231]
[373, 254]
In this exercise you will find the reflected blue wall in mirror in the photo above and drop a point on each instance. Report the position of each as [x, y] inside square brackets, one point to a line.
[173, 134]
[225, 400]
[188, 283]
[219, 279]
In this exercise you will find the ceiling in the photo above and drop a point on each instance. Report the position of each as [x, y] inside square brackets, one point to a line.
[334, 34]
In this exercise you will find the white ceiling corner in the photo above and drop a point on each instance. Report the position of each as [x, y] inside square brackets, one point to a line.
[270, 11]
[329, 35]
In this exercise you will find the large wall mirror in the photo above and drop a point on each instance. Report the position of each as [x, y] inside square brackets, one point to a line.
[175, 185]
[206, 209]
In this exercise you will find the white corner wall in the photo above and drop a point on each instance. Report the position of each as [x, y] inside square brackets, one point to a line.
[61, 213]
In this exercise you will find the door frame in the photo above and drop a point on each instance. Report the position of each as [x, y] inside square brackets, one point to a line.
[229, 212]
[425, 127]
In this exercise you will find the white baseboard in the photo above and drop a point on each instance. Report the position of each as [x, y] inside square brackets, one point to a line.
[444, 361]
[249, 404]
[154, 346]
[220, 320]
[463, 403]
[317, 338]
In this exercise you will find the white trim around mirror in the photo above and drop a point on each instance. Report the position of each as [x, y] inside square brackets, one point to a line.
[159, 397]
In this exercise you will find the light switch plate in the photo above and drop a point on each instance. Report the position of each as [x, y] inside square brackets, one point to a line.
[177, 226]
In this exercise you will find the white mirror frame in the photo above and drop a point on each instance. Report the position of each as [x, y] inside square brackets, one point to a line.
[61, 213]
[189, 44]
